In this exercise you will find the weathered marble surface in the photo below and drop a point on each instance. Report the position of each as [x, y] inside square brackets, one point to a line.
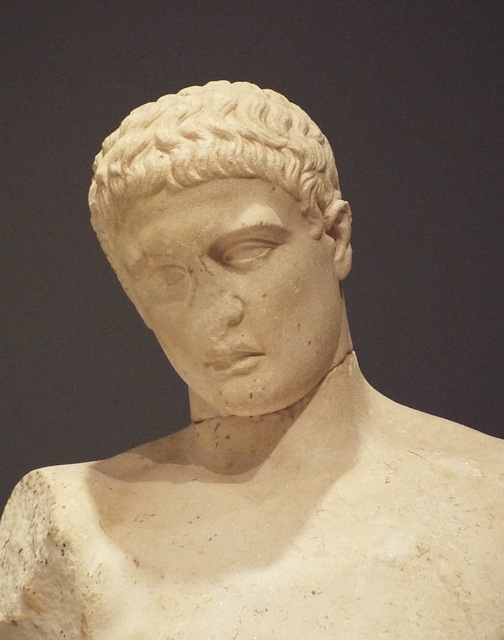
[300, 503]
[366, 517]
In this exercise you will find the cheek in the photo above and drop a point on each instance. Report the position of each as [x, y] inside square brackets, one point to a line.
[311, 320]
[174, 331]
[303, 293]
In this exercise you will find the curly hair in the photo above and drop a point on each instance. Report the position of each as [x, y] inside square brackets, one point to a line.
[220, 130]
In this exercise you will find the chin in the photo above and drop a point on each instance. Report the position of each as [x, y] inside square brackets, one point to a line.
[257, 400]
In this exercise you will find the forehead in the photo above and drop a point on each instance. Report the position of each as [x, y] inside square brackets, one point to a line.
[199, 215]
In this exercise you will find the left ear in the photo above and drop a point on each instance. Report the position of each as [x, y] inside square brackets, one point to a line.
[338, 226]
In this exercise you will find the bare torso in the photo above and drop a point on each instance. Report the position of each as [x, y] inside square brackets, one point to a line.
[393, 528]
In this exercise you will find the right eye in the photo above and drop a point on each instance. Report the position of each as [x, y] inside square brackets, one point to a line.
[171, 274]
[164, 283]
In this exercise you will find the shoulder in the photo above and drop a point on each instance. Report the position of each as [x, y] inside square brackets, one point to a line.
[41, 499]
[407, 427]
[37, 549]
[442, 484]
[53, 499]
[53, 546]
[455, 465]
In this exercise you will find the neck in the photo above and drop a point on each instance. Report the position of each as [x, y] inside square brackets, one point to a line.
[324, 423]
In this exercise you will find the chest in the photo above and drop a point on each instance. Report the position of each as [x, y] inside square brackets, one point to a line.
[294, 570]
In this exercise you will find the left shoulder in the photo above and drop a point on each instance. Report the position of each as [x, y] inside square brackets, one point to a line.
[448, 461]
[408, 427]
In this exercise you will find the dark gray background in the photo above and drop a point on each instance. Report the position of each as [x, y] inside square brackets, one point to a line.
[410, 95]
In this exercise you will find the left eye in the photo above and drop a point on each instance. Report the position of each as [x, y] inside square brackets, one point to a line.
[247, 255]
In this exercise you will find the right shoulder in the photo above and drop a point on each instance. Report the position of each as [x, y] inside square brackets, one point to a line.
[36, 551]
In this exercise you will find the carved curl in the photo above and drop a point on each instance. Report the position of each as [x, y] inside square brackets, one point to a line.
[220, 130]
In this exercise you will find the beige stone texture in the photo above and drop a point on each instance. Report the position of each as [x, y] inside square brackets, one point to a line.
[299, 503]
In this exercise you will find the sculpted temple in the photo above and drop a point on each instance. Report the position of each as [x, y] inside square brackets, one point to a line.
[299, 503]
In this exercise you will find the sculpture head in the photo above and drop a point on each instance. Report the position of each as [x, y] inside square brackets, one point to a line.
[219, 209]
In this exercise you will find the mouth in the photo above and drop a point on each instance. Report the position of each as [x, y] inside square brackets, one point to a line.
[236, 362]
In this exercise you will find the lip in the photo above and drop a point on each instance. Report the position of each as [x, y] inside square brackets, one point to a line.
[238, 361]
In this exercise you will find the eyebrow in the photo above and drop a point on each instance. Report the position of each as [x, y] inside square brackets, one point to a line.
[157, 252]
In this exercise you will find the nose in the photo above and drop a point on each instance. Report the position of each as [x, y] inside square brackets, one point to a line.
[217, 303]
[232, 309]
[224, 312]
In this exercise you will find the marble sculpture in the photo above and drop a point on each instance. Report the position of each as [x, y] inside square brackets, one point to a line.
[299, 503]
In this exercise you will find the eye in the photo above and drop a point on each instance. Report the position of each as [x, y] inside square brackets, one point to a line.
[248, 254]
[171, 274]
[161, 282]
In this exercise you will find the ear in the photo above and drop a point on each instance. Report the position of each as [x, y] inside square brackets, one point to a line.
[338, 226]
